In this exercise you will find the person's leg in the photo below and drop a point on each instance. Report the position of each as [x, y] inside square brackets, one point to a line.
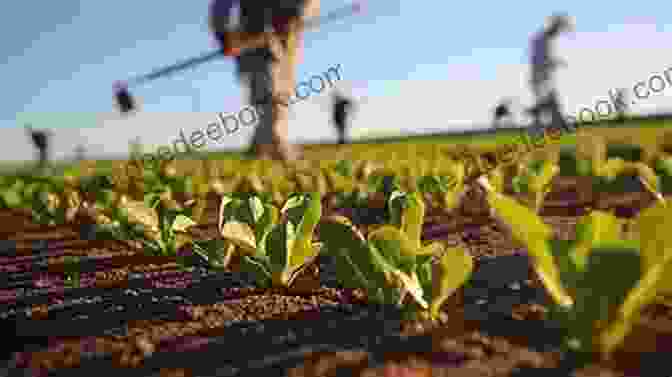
[284, 47]
[255, 69]
[542, 89]
[557, 118]
[339, 124]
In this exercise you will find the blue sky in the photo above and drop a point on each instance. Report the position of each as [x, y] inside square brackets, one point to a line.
[455, 58]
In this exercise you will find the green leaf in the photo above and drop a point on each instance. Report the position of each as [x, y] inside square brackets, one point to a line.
[344, 168]
[259, 268]
[293, 202]
[653, 225]
[106, 198]
[644, 293]
[216, 252]
[593, 228]
[395, 247]
[29, 191]
[431, 184]
[303, 214]
[356, 265]
[413, 218]
[599, 295]
[276, 249]
[542, 178]
[264, 226]
[455, 268]
[584, 167]
[182, 223]
[570, 274]
[11, 198]
[451, 198]
[664, 164]
[152, 200]
[408, 283]
[256, 208]
[398, 202]
[423, 269]
[241, 235]
[225, 209]
[530, 230]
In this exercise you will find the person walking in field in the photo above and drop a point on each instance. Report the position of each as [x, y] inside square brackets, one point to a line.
[544, 64]
[268, 70]
[40, 139]
[342, 107]
[502, 114]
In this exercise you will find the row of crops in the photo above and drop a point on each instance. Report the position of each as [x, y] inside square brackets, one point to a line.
[376, 225]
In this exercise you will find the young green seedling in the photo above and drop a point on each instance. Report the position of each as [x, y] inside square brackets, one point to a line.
[244, 224]
[274, 250]
[290, 243]
[601, 310]
[161, 231]
[392, 263]
[536, 180]
[448, 187]
[71, 275]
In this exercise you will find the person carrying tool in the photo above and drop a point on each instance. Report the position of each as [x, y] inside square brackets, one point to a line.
[341, 111]
[269, 70]
[543, 67]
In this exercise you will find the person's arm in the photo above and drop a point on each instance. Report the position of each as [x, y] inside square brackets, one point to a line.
[560, 63]
[311, 9]
[235, 41]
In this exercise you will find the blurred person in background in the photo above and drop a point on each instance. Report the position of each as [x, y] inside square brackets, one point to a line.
[622, 103]
[268, 71]
[544, 65]
[80, 153]
[502, 117]
[342, 109]
[40, 140]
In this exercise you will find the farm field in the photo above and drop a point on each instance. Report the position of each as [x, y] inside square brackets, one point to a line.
[387, 259]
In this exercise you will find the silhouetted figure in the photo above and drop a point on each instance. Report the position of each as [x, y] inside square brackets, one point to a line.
[80, 153]
[544, 65]
[502, 114]
[40, 139]
[621, 102]
[341, 114]
[269, 71]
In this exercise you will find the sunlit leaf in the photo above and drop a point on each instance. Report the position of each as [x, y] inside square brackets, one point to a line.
[222, 208]
[455, 268]
[181, 240]
[302, 250]
[599, 295]
[529, 229]
[182, 223]
[409, 284]
[356, 266]
[395, 247]
[139, 213]
[256, 267]
[593, 228]
[412, 218]
[653, 225]
[241, 235]
[257, 208]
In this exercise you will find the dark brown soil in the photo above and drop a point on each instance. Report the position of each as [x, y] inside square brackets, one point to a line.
[486, 355]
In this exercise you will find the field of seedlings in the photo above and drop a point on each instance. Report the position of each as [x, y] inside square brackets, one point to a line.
[380, 260]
